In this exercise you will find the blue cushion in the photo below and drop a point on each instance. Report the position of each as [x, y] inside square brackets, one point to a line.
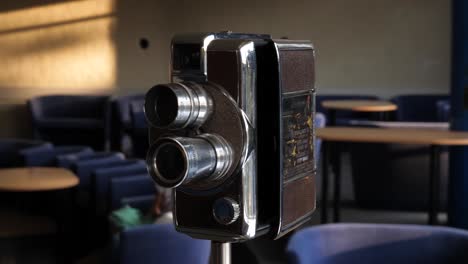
[161, 243]
[378, 243]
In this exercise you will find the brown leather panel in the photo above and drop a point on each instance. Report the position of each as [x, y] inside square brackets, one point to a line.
[297, 70]
[298, 199]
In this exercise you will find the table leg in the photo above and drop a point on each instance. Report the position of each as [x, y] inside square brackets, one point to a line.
[325, 162]
[337, 183]
[332, 117]
[65, 219]
[434, 184]
[384, 116]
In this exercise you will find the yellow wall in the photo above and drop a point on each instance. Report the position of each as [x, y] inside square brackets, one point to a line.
[61, 48]
[384, 47]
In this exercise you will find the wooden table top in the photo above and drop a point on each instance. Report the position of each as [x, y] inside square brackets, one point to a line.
[395, 124]
[394, 135]
[360, 105]
[33, 179]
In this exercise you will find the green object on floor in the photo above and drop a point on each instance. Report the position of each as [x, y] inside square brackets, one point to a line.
[128, 216]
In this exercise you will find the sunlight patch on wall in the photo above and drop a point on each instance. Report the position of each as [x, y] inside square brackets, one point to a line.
[65, 47]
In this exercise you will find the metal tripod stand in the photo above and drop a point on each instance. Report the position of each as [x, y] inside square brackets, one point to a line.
[220, 253]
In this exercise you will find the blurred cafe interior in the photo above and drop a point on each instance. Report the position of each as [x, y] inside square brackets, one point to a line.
[389, 137]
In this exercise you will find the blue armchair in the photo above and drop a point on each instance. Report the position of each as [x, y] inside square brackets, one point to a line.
[68, 160]
[102, 178]
[85, 168]
[122, 121]
[443, 110]
[161, 243]
[137, 191]
[139, 132]
[320, 121]
[13, 151]
[48, 156]
[378, 243]
[417, 108]
[72, 119]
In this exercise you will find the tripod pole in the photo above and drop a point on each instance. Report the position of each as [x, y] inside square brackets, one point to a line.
[220, 253]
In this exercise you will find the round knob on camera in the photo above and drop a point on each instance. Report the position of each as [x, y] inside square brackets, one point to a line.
[226, 211]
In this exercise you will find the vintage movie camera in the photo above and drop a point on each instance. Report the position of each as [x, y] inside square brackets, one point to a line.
[234, 135]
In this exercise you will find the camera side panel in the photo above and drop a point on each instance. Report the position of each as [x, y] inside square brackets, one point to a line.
[298, 170]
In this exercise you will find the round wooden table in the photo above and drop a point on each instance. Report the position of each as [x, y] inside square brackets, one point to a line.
[434, 138]
[375, 106]
[36, 179]
[360, 105]
[42, 179]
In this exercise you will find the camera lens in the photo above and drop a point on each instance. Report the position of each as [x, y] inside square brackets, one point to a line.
[177, 105]
[170, 161]
[166, 106]
[200, 161]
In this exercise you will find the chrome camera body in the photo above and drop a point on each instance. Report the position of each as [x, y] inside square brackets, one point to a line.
[234, 135]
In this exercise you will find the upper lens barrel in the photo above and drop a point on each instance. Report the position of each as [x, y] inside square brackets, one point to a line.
[177, 105]
[173, 161]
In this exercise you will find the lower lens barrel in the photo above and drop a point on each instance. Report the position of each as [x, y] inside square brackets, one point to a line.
[174, 161]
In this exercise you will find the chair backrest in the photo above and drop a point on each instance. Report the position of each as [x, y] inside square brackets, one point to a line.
[68, 160]
[415, 107]
[69, 106]
[320, 121]
[48, 156]
[11, 150]
[103, 176]
[72, 119]
[378, 243]
[443, 110]
[121, 108]
[84, 168]
[139, 130]
[132, 186]
[161, 243]
[138, 115]
[121, 118]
